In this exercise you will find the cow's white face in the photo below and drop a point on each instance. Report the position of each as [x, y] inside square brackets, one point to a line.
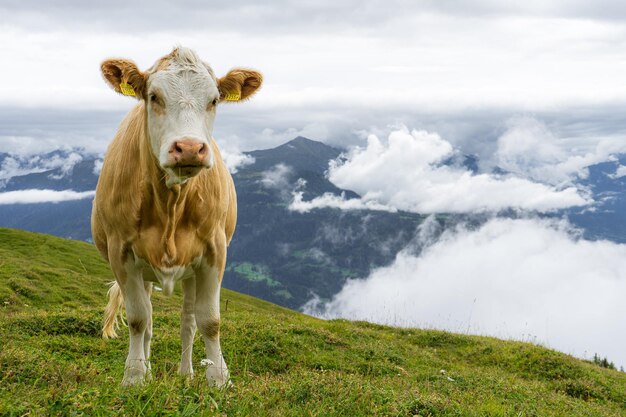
[181, 94]
[181, 100]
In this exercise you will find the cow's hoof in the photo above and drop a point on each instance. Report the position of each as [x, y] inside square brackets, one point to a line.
[134, 376]
[218, 377]
[133, 381]
[186, 370]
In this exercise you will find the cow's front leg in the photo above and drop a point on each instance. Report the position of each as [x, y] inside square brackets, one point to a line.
[147, 337]
[187, 325]
[207, 309]
[138, 313]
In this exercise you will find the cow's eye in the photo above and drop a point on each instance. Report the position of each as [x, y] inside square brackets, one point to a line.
[214, 102]
[153, 98]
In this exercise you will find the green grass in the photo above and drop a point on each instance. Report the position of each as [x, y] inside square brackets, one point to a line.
[254, 272]
[53, 361]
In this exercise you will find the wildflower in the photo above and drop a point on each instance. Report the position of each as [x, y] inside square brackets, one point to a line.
[207, 362]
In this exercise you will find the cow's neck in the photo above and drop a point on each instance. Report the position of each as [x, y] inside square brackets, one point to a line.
[166, 204]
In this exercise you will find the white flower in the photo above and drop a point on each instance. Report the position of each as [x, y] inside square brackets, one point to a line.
[207, 362]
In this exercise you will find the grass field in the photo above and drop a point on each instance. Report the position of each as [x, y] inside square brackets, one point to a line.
[53, 361]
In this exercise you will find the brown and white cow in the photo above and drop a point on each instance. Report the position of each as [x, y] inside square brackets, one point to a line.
[165, 206]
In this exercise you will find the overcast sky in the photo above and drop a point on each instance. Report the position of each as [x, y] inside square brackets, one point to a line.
[334, 71]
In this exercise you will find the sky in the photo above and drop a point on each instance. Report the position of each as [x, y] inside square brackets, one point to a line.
[536, 88]
[334, 71]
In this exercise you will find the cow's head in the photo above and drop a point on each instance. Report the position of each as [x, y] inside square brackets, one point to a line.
[181, 95]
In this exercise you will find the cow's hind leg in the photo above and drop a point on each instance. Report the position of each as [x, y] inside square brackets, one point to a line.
[207, 308]
[187, 325]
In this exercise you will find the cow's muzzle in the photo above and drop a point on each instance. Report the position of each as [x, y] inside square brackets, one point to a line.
[188, 153]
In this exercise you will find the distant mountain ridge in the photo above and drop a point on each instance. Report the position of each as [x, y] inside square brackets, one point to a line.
[306, 154]
[276, 254]
[285, 256]
[75, 171]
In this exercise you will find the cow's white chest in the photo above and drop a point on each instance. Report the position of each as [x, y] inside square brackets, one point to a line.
[166, 276]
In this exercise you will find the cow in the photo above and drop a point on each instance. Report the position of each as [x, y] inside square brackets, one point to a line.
[165, 206]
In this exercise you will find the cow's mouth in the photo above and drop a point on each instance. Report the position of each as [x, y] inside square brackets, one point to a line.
[179, 174]
[197, 167]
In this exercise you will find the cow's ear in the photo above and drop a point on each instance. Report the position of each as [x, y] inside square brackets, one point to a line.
[239, 84]
[124, 77]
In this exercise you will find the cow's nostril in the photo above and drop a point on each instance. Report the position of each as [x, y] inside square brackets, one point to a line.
[203, 149]
[177, 148]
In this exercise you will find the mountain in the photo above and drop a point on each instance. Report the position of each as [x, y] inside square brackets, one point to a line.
[306, 154]
[54, 362]
[607, 218]
[282, 255]
[58, 170]
[276, 254]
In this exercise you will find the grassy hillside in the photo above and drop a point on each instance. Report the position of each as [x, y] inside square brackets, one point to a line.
[53, 361]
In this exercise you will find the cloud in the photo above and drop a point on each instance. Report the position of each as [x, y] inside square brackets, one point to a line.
[314, 59]
[408, 173]
[328, 200]
[32, 196]
[327, 72]
[317, 131]
[619, 172]
[64, 163]
[23, 163]
[529, 150]
[277, 177]
[283, 16]
[97, 166]
[524, 279]
[234, 159]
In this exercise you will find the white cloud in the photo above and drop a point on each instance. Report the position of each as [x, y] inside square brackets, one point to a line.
[97, 166]
[448, 60]
[328, 200]
[403, 63]
[407, 173]
[530, 150]
[234, 159]
[522, 279]
[65, 163]
[316, 131]
[23, 163]
[276, 177]
[26, 145]
[619, 172]
[32, 196]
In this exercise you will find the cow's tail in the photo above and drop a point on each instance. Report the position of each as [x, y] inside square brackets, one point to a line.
[112, 312]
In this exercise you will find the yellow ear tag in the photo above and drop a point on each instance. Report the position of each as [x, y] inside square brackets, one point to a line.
[232, 97]
[126, 89]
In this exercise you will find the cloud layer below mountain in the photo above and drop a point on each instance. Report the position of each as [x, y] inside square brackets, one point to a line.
[524, 279]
